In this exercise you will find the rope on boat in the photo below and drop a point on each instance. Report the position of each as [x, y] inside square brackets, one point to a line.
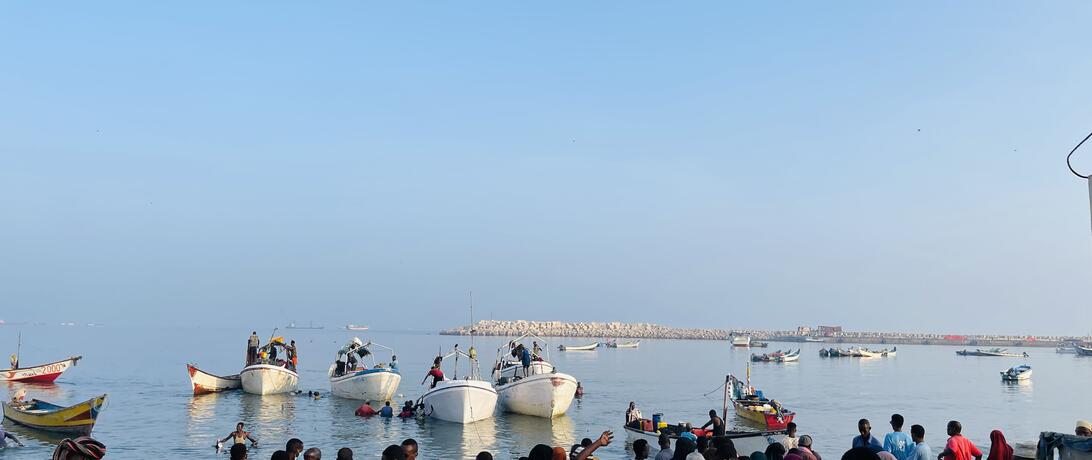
[714, 390]
[1067, 158]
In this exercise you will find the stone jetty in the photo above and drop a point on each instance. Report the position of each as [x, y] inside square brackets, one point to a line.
[655, 331]
[588, 329]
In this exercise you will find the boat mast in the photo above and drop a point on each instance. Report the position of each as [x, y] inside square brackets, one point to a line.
[724, 405]
[18, 348]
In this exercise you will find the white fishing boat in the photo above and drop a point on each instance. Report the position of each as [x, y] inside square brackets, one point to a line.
[527, 391]
[813, 339]
[360, 376]
[202, 382]
[741, 341]
[890, 353]
[589, 347]
[269, 379]
[790, 357]
[1016, 373]
[463, 400]
[616, 344]
[270, 376]
[355, 327]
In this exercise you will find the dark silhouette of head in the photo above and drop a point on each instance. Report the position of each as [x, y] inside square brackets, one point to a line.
[344, 453]
[238, 452]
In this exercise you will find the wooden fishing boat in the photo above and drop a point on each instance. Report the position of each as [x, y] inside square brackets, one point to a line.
[995, 352]
[588, 347]
[751, 405]
[615, 344]
[203, 382]
[1016, 373]
[77, 419]
[790, 357]
[43, 373]
[743, 441]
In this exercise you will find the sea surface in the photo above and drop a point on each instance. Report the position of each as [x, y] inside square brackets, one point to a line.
[151, 413]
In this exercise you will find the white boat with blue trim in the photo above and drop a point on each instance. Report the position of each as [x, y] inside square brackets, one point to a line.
[357, 375]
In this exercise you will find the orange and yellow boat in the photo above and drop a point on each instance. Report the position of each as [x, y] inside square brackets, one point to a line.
[78, 418]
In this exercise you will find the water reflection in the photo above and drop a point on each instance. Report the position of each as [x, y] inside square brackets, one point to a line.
[1021, 388]
[268, 408]
[45, 391]
[454, 440]
[31, 437]
[558, 431]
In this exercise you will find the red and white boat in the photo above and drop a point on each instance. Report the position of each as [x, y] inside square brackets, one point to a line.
[203, 382]
[45, 373]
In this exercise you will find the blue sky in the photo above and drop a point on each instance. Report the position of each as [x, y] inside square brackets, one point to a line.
[879, 166]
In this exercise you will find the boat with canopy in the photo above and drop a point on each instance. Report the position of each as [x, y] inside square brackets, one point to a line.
[269, 375]
[539, 389]
[356, 374]
[463, 400]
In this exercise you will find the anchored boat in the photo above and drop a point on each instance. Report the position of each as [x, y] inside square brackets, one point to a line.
[752, 405]
[460, 401]
[615, 344]
[203, 382]
[995, 352]
[744, 441]
[589, 347]
[42, 373]
[270, 376]
[741, 341]
[1016, 373]
[539, 391]
[375, 382]
[76, 419]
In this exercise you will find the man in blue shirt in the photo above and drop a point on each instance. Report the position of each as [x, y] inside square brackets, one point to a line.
[920, 450]
[866, 439]
[897, 442]
[387, 410]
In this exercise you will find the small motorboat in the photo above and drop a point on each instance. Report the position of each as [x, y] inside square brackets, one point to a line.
[1066, 349]
[356, 378]
[741, 341]
[355, 327]
[789, 357]
[994, 352]
[460, 401]
[1016, 373]
[744, 441]
[751, 405]
[76, 419]
[825, 352]
[589, 347]
[615, 344]
[202, 382]
[539, 390]
[812, 338]
[1083, 350]
[757, 344]
[42, 373]
[889, 353]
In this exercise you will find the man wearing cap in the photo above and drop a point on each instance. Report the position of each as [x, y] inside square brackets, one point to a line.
[1084, 428]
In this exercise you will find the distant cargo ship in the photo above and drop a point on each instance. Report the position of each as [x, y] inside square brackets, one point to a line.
[293, 325]
[355, 327]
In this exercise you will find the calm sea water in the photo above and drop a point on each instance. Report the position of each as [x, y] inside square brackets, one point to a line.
[151, 413]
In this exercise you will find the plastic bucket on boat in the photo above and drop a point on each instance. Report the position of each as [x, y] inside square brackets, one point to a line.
[656, 419]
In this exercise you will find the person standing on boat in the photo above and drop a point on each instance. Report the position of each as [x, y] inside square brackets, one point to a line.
[14, 361]
[536, 350]
[290, 354]
[866, 439]
[717, 422]
[240, 436]
[633, 415]
[436, 374]
[525, 359]
[896, 442]
[252, 348]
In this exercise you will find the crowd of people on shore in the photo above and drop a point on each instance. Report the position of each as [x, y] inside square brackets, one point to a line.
[895, 445]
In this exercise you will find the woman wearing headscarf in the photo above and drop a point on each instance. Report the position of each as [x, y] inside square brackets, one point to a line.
[999, 449]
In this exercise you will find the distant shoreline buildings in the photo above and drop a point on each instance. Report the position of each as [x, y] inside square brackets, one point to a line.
[827, 334]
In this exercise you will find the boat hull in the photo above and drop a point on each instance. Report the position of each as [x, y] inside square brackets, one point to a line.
[511, 370]
[588, 347]
[202, 382]
[267, 379]
[541, 395]
[768, 420]
[744, 441]
[368, 384]
[45, 373]
[460, 401]
[76, 419]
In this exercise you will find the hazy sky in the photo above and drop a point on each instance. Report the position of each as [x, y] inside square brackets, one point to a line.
[876, 165]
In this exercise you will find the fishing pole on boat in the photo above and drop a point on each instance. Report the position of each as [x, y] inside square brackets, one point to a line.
[1086, 177]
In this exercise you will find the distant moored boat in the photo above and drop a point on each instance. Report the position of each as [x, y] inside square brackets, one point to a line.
[203, 382]
[43, 373]
[355, 327]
